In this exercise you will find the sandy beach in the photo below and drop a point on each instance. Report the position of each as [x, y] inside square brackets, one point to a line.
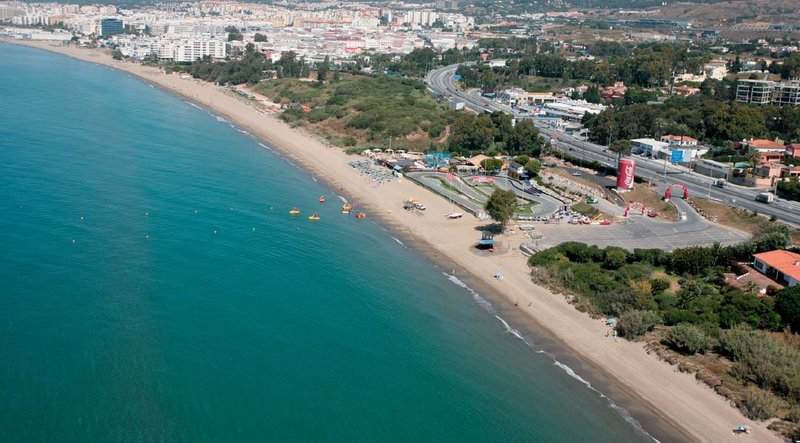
[672, 406]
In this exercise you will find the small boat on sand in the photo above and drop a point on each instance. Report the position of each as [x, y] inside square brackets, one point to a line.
[454, 215]
[294, 211]
[361, 215]
[313, 217]
[346, 208]
[322, 199]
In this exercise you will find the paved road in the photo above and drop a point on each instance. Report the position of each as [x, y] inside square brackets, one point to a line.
[441, 81]
[546, 205]
[636, 232]
[472, 200]
[604, 182]
[469, 200]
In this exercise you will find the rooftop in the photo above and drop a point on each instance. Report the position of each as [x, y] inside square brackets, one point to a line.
[679, 138]
[784, 261]
[764, 144]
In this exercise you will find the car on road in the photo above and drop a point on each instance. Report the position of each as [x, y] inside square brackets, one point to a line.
[533, 191]
[765, 197]
[577, 173]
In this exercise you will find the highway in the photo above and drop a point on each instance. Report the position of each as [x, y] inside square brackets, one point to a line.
[441, 81]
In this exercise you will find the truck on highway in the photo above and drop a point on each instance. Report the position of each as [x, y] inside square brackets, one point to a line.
[765, 197]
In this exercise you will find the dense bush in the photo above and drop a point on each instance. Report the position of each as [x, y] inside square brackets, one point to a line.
[787, 303]
[635, 323]
[790, 189]
[764, 360]
[758, 404]
[689, 338]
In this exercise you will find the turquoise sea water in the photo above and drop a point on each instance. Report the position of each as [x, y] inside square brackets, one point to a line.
[154, 288]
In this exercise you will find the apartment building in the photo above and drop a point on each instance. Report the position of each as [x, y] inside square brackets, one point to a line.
[766, 92]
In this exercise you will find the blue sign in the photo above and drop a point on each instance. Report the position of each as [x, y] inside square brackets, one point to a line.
[677, 156]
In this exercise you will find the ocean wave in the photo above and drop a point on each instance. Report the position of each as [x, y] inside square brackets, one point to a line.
[220, 119]
[487, 306]
[314, 178]
[618, 409]
[511, 330]
[398, 241]
[482, 302]
[379, 225]
[265, 146]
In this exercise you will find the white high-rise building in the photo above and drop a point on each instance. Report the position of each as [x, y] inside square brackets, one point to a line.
[189, 50]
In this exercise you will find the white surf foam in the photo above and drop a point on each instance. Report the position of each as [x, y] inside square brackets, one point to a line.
[265, 146]
[482, 302]
[398, 241]
[486, 305]
[511, 330]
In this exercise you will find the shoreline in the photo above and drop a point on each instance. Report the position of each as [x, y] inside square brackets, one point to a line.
[671, 406]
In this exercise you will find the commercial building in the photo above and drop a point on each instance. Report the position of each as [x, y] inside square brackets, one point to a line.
[713, 168]
[782, 266]
[766, 92]
[572, 109]
[111, 26]
[648, 147]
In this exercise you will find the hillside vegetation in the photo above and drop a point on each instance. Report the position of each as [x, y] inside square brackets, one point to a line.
[359, 110]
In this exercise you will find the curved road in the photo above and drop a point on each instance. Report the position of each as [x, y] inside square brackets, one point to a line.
[441, 81]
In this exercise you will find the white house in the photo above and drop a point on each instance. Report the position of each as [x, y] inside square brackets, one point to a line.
[782, 266]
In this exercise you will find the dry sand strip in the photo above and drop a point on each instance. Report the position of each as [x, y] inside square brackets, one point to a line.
[672, 405]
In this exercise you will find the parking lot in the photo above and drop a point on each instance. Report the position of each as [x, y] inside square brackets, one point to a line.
[640, 232]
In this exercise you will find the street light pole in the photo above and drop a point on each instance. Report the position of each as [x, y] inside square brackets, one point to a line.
[710, 183]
